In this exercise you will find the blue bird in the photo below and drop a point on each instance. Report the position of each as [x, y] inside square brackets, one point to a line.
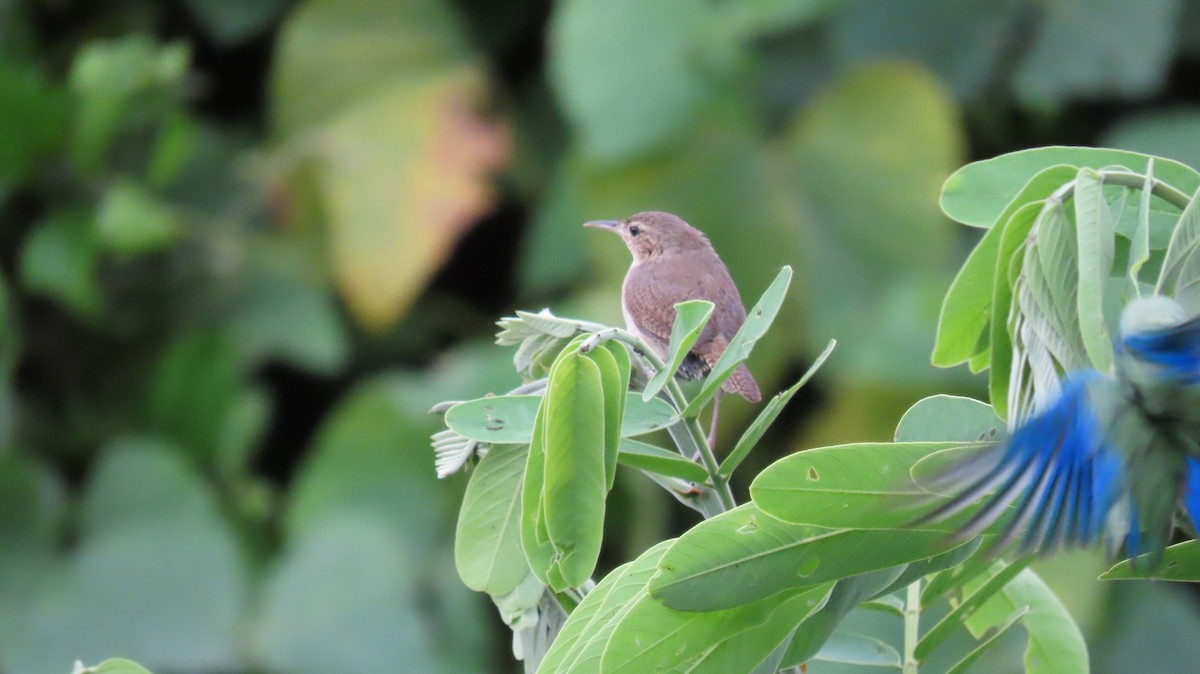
[1112, 458]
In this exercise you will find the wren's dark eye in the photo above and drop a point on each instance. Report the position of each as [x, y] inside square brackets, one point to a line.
[634, 230]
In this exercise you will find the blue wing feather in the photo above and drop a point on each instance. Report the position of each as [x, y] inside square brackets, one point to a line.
[1057, 471]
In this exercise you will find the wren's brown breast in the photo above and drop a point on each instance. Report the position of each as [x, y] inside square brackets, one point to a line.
[674, 262]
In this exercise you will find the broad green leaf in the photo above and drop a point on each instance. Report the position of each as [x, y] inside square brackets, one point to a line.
[509, 419]
[758, 321]
[118, 666]
[652, 637]
[109, 79]
[232, 21]
[580, 644]
[1172, 132]
[968, 309]
[766, 17]
[1180, 274]
[979, 192]
[743, 555]
[31, 120]
[625, 102]
[945, 418]
[1094, 231]
[873, 148]
[848, 648]
[961, 41]
[766, 417]
[323, 610]
[613, 389]
[858, 486]
[1056, 645]
[930, 565]
[963, 611]
[403, 175]
[1096, 48]
[963, 666]
[61, 259]
[151, 538]
[690, 319]
[333, 53]
[487, 540]
[658, 460]
[1181, 562]
[130, 221]
[575, 483]
[812, 634]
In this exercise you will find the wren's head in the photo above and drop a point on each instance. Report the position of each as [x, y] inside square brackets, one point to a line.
[654, 234]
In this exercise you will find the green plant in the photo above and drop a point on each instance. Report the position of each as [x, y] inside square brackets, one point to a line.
[763, 586]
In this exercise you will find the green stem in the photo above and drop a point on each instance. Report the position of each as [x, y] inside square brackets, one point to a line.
[912, 626]
[1165, 191]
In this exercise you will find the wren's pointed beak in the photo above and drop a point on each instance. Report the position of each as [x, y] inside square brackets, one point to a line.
[611, 225]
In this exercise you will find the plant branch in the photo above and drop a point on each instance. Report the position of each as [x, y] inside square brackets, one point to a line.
[912, 626]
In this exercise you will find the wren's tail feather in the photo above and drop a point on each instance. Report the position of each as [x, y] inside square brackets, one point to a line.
[743, 384]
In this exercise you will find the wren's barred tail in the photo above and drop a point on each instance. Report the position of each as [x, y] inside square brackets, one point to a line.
[743, 384]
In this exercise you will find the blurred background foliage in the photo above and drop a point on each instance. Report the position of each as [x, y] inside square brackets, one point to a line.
[245, 246]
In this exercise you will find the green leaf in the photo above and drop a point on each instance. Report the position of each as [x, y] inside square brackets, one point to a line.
[580, 644]
[1180, 274]
[848, 648]
[1056, 645]
[963, 666]
[658, 460]
[979, 192]
[1181, 562]
[575, 481]
[857, 486]
[613, 389]
[61, 259]
[31, 120]
[758, 321]
[1139, 246]
[1097, 48]
[945, 418]
[365, 616]
[931, 565]
[118, 666]
[1172, 132]
[151, 538]
[1012, 247]
[652, 637]
[690, 319]
[1094, 231]
[232, 21]
[509, 419]
[968, 308]
[109, 79]
[131, 221]
[743, 555]
[625, 102]
[535, 540]
[964, 609]
[812, 634]
[766, 417]
[487, 540]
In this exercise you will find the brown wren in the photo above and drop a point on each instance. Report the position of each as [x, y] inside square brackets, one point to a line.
[674, 262]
